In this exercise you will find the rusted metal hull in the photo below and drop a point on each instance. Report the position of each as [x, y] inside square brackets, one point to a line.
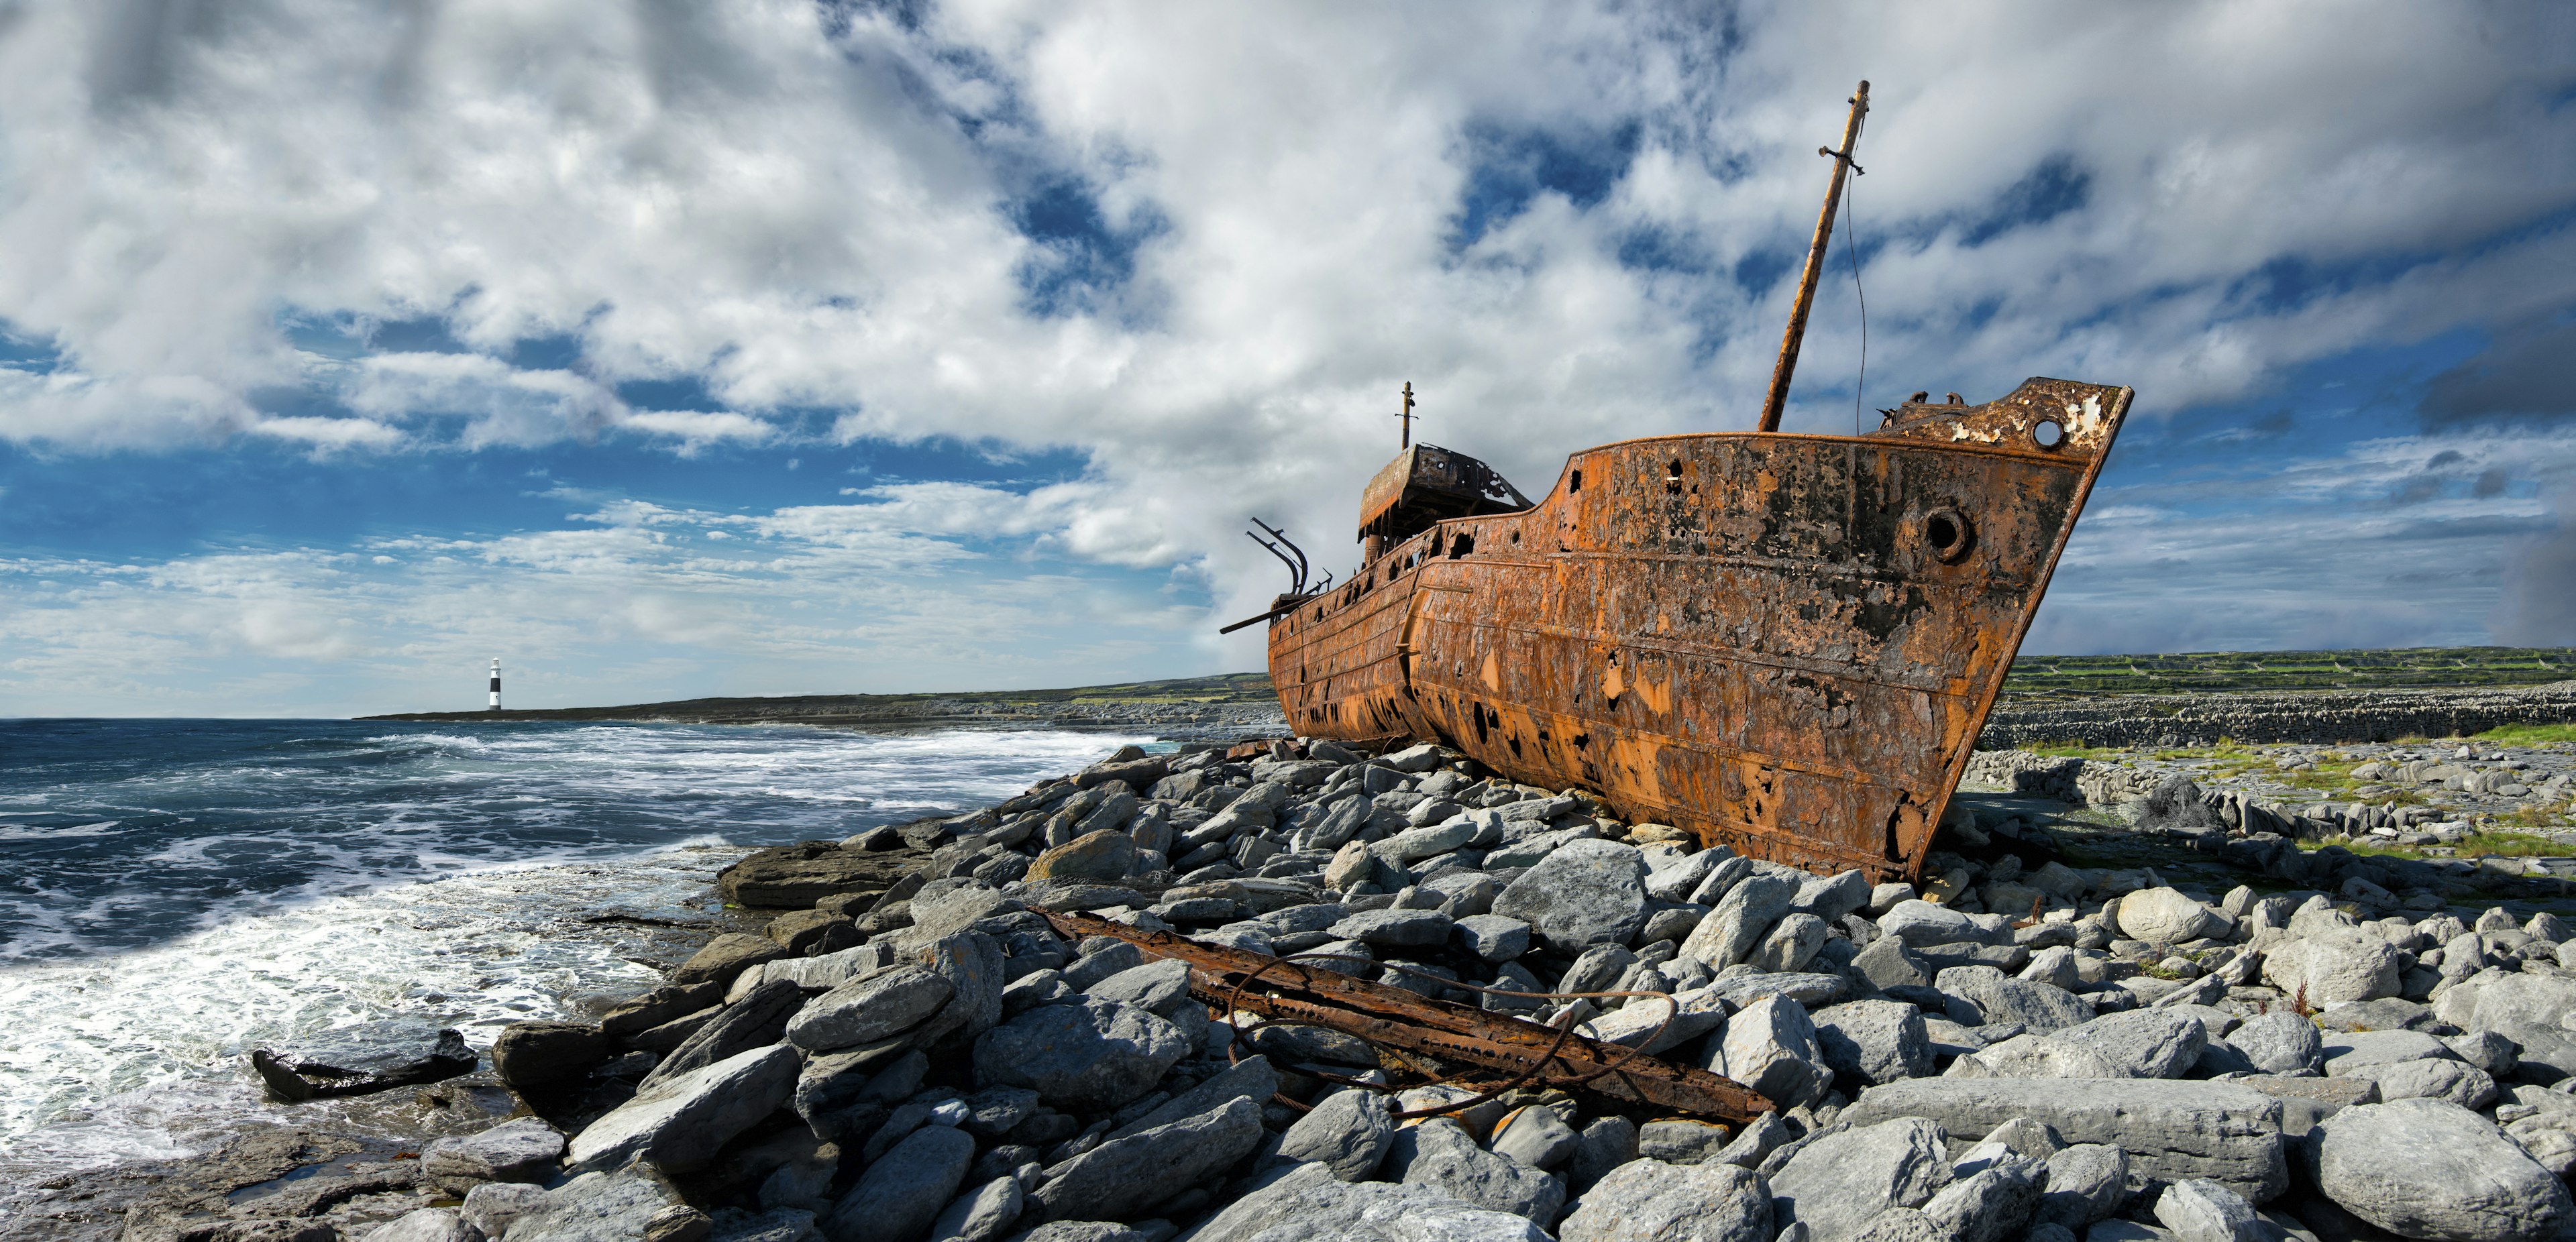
[1782, 643]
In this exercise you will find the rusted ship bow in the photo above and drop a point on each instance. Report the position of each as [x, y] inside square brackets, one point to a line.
[1783, 643]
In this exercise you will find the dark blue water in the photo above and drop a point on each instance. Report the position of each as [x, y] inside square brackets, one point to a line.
[175, 892]
[116, 834]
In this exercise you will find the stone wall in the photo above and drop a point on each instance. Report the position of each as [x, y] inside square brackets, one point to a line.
[2315, 718]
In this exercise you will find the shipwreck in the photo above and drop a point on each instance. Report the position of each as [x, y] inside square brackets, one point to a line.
[1782, 643]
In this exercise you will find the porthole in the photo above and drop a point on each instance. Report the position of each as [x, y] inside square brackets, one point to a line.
[1947, 534]
[2048, 433]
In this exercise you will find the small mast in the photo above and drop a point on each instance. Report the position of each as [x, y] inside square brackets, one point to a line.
[1788, 365]
[1407, 415]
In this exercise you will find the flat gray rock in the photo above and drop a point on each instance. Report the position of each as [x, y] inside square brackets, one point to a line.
[752, 1021]
[1396, 928]
[1661, 1026]
[2335, 964]
[1347, 1132]
[2528, 1009]
[1735, 926]
[1874, 1041]
[972, 964]
[2175, 1129]
[1790, 944]
[1917, 922]
[2279, 1042]
[598, 1207]
[981, 1214]
[1493, 937]
[1125, 1177]
[1448, 1161]
[2199, 1210]
[1582, 894]
[2142, 1043]
[1537, 1137]
[1834, 1185]
[1160, 988]
[680, 1124]
[2086, 1183]
[1310, 1203]
[424, 1225]
[1770, 1046]
[1991, 1205]
[2165, 916]
[2362, 1051]
[2435, 1078]
[1085, 1056]
[1650, 1201]
[521, 1150]
[1605, 1144]
[1830, 897]
[2430, 1169]
[900, 1194]
[1251, 1079]
[2037, 1007]
[870, 1008]
[1887, 963]
[492, 1207]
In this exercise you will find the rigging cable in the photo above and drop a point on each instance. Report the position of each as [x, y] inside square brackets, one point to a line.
[1851, 247]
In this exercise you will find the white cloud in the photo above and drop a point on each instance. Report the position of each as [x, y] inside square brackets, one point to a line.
[812, 207]
[697, 429]
[326, 434]
[617, 605]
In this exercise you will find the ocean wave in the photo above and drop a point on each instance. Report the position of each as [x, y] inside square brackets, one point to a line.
[264, 880]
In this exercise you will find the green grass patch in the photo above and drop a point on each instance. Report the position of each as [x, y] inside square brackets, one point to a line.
[2498, 841]
[2531, 735]
[2033, 676]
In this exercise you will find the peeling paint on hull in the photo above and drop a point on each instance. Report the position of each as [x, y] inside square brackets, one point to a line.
[1782, 643]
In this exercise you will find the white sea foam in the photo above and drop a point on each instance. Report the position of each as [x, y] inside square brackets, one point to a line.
[166, 1029]
[133, 1055]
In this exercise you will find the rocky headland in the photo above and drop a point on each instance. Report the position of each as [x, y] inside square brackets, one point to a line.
[2227, 1032]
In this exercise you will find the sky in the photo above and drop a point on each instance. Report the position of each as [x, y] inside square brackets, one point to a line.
[665, 349]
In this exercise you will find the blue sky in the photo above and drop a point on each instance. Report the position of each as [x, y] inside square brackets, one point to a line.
[807, 347]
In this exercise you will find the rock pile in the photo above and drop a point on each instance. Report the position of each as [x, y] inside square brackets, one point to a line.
[2101, 1056]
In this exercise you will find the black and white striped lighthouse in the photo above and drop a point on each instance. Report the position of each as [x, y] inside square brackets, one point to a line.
[496, 684]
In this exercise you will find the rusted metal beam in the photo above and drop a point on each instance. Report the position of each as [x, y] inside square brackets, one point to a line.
[1287, 991]
[1781, 372]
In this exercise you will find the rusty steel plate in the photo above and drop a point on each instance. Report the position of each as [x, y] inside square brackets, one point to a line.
[1782, 643]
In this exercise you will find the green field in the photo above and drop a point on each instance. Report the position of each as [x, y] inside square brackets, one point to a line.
[2401, 668]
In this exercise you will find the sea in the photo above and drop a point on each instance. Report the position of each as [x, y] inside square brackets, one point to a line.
[176, 893]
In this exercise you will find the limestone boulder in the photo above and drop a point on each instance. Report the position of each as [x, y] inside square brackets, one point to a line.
[681, 1124]
[1582, 894]
[1650, 1201]
[1086, 1056]
[2430, 1169]
[2166, 916]
[2173, 1128]
[1836, 1184]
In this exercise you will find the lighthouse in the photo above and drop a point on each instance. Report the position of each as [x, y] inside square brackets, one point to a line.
[496, 685]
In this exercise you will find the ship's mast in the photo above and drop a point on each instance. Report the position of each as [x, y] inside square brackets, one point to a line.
[1788, 365]
[1407, 415]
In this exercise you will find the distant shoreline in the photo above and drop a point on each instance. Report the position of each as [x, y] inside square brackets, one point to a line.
[1188, 709]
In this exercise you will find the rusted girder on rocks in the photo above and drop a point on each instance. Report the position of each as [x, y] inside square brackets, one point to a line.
[1288, 991]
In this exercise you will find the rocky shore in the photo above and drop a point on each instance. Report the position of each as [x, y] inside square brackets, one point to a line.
[2273, 1042]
